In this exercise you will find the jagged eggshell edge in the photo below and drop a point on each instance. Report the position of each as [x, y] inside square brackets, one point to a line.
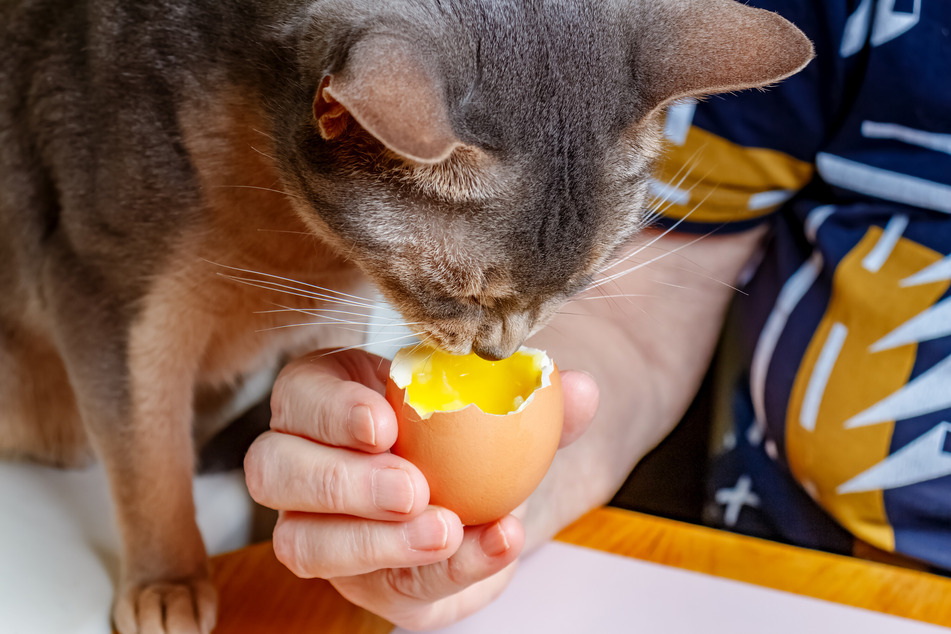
[481, 466]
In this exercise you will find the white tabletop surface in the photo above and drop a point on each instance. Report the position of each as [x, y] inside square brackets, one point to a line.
[58, 544]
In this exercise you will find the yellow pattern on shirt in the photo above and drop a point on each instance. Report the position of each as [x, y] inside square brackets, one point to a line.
[720, 177]
[869, 305]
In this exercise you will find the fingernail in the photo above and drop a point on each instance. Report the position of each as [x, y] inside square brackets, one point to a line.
[393, 490]
[360, 424]
[429, 531]
[493, 540]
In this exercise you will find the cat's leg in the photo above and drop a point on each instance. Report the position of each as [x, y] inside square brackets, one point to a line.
[38, 415]
[165, 576]
[134, 373]
[165, 569]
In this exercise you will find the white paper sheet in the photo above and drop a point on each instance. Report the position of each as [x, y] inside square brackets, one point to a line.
[59, 543]
[564, 589]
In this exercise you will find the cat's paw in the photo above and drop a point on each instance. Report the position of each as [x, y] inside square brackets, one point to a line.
[182, 607]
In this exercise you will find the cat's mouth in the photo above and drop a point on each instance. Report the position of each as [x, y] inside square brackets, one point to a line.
[491, 336]
[488, 348]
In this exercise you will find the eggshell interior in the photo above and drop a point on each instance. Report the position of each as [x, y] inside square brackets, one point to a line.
[481, 466]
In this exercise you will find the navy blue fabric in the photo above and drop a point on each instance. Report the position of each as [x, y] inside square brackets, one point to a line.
[873, 114]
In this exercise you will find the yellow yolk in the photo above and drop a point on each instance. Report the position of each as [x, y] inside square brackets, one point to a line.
[445, 382]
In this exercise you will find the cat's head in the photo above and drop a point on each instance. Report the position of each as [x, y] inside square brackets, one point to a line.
[483, 159]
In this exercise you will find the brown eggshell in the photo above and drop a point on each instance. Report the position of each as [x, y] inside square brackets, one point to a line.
[481, 466]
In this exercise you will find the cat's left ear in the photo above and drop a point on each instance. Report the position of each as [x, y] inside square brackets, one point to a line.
[691, 48]
[390, 91]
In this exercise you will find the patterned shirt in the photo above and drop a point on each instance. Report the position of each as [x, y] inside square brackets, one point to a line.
[847, 318]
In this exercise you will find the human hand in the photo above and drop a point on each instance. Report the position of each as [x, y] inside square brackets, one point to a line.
[355, 514]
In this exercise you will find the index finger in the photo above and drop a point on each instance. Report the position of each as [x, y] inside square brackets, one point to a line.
[336, 398]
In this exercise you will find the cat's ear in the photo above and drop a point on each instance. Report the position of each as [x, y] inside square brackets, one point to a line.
[701, 47]
[388, 89]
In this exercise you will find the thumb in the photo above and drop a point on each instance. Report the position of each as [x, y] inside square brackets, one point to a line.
[581, 402]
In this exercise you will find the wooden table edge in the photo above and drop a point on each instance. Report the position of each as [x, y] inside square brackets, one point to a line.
[869, 585]
[276, 593]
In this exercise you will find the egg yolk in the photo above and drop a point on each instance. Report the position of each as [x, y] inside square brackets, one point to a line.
[446, 382]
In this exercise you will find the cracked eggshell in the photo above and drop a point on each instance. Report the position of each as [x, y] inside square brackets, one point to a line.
[481, 466]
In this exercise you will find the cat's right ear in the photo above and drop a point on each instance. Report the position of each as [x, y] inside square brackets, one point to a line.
[700, 47]
[386, 87]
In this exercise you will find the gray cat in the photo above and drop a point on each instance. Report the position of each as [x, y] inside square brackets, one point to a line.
[478, 160]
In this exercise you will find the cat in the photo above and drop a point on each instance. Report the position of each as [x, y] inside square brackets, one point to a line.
[478, 161]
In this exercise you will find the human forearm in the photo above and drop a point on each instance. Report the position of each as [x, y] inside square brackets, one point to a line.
[648, 352]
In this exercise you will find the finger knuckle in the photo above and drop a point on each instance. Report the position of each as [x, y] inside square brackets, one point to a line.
[333, 403]
[369, 547]
[365, 540]
[286, 544]
[458, 573]
[281, 393]
[331, 487]
[406, 582]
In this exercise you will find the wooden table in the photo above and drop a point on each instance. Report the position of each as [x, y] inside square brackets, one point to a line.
[258, 595]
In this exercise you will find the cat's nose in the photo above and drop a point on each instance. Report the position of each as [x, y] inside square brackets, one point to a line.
[500, 337]
[492, 351]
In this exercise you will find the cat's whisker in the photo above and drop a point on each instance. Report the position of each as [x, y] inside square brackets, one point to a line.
[341, 326]
[556, 329]
[684, 171]
[572, 314]
[670, 285]
[369, 327]
[305, 292]
[662, 256]
[627, 259]
[262, 153]
[263, 133]
[692, 271]
[422, 342]
[664, 233]
[628, 297]
[602, 294]
[705, 275]
[325, 312]
[264, 189]
[281, 288]
[590, 315]
[647, 221]
[432, 353]
[369, 343]
[658, 212]
[648, 262]
[298, 233]
[617, 296]
[336, 324]
[692, 161]
[365, 300]
[661, 204]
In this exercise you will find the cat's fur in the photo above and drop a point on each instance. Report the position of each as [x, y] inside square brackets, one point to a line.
[479, 160]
